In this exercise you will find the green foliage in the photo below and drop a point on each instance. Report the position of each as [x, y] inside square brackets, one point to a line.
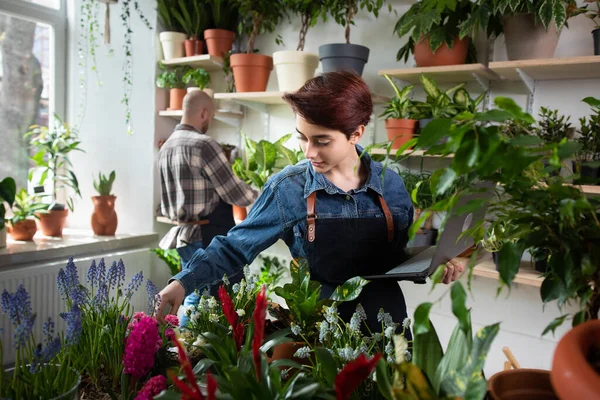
[192, 16]
[344, 11]
[258, 17]
[264, 158]
[487, 14]
[224, 14]
[52, 146]
[25, 206]
[166, 15]
[197, 77]
[589, 132]
[8, 189]
[433, 374]
[553, 128]
[309, 13]
[433, 20]
[172, 77]
[170, 257]
[544, 212]
[272, 271]
[400, 106]
[104, 184]
[594, 15]
[440, 103]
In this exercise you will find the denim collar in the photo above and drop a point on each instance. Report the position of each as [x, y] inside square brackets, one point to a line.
[317, 181]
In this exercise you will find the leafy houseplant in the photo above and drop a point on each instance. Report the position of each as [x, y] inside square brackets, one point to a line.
[441, 103]
[594, 15]
[192, 16]
[435, 36]
[170, 257]
[197, 77]
[309, 12]
[104, 218]
[173, 79]
[22, 224]
[223, 24]
[173, 37]
[401, 116]
[335, 56]
[587, 163]
[8, 189]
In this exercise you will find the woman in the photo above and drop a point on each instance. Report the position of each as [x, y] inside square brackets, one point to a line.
[336, 208]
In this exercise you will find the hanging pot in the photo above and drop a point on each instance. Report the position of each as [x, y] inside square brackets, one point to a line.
[251, 72]
[444, 55]
[218, 41]
[343, 56]
[23, 230]
[294, 68]
[527, 38]
[104, 218]
[52, 223]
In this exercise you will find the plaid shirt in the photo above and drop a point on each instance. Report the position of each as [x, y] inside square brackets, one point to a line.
[194, 176]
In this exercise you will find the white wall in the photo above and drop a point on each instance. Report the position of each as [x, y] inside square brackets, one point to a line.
[522, 314]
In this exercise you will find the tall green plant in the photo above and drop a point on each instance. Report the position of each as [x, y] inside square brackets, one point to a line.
[192, 16]
[309, 13]
[53, 146]
[259, 16]
[344, 11]
[8, 190]
[439, 103]
[400, 106]
[589, 132]
[166, 15]
[224, 14]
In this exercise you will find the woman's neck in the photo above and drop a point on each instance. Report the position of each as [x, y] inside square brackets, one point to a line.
[349, 174]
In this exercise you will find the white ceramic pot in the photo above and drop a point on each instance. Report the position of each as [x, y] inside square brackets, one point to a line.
[3, 238]
[294, 68]
[172, 44]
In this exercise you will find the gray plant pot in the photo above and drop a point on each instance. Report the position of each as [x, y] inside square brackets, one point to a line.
[423, 123]
[343, 56]
[596, 35]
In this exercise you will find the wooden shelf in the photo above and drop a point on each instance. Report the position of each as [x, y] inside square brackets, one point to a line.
[274, 98]
[549, 68]
[446, 74]
[165, 220]
[589, 189]
[206, 61]
[417, 153]
[228, 117]
[526, 276]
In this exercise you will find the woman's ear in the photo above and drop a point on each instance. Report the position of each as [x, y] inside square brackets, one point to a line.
[358, 133]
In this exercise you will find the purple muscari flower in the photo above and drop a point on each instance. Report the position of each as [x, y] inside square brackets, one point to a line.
[72, 277]
[120, 273]
[151, 291]
[18, 308]
[101, 299]
[113, 275]
[48, 330]
[134, 285]
[61, 282]
[101, 273]
[73, 320]
[44, 355]
[23, 330]
[91, 275]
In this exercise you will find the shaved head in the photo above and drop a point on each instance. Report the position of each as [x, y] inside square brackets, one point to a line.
[198, 110]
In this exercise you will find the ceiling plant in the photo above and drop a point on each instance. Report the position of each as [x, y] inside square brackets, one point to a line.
[434, 34]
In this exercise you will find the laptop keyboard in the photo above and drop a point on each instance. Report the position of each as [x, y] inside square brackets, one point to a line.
[418, 263]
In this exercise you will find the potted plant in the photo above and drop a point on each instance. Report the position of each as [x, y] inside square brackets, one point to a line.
[22, 225]
[250, 70]
[104, 218]
[230, 151]
[553, 128]
[294, 68]
[594, 15]
[224, 23]
[172, 39]
[199, 79]
[8, 189]
[441, 103]
[53, 146]
[434, 33]
[337, 56]
[401, 116]
[587, 162]
[172, 79]
[530, 27]
[193, 17]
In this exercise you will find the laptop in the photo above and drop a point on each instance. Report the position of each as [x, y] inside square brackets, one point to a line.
[425, 260]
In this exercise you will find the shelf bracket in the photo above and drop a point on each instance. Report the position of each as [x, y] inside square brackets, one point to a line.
[485, 85]
[260, 107]
[530, 83]
[235, 122]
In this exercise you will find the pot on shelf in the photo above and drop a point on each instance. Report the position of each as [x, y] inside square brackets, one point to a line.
[444, 55]
[52, 223]
[527, 38]
[23, 230]
[104, 218]
[218, 41]
[251, 72]
[172, 44]
[343, 56]
[400, 130]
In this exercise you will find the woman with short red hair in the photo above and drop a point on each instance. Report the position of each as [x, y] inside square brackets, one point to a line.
[337, 208]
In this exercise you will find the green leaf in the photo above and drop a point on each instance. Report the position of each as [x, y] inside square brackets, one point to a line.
[457, 351]
[568, 149]
[525, 140]
[416, 225]
[494, 116]
[422, 324]
[467, 154]
[551, 289]
[430, 87]
[560, 14]
[8, 190]
[418, 386]
[203, 365]
[592, 101]
[545, 12]
[445, 181]
[509, 260]
[350, 290]
[433, 132]
[327, 364]
[459, 307]
[427, 351]
[383, 380]
[558, 321]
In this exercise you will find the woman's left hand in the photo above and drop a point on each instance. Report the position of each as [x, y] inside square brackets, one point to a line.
[452, 271]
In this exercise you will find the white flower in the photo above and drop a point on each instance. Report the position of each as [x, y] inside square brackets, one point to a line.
[195, 316]
[212, 303]
[355, 323]
[199, 341]
[361, 312]
[407, 355]
[400, 348]
[331, 314]
[389, 331]
[213, 318]
[323, 330]
[346, 354]
[236, 287]
[406, 323]
[302, 352]
[202, 304]
[296, 329]
[240, 312]
[225, 280]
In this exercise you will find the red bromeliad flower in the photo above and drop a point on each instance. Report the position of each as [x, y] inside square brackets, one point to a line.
[190, 390]
[232, 317]
[260, 313]
[353, 374]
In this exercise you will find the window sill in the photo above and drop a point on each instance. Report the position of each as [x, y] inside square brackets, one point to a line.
[74, 242]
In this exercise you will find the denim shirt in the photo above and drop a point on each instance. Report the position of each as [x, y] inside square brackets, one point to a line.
[280, 213]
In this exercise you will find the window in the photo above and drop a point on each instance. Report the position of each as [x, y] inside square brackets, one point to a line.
[32, 81]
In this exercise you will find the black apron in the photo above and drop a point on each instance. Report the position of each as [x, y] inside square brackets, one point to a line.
[341, 248]
[220, 221]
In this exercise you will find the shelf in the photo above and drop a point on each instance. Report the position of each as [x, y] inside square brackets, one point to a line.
[549, 68]
[589, 189]
[525, 276]
[417, 153]
[273, 98]
[208, 62]
[445, 74]
[228, 117]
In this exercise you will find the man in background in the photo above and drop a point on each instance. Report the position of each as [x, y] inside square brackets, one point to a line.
[198, 185]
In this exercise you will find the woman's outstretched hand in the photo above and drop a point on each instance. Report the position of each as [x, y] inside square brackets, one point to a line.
[453, 270]
[171, 295]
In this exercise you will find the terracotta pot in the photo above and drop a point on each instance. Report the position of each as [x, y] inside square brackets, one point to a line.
[176, 99]
[193, 47]
[52, 223]
[239, 213]
[444, 55]
[23, 230]
[521, 384]
[527, 39]
[251, 72]
[573, 377]
[400, 130]
[218, 41]
[104, 218]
